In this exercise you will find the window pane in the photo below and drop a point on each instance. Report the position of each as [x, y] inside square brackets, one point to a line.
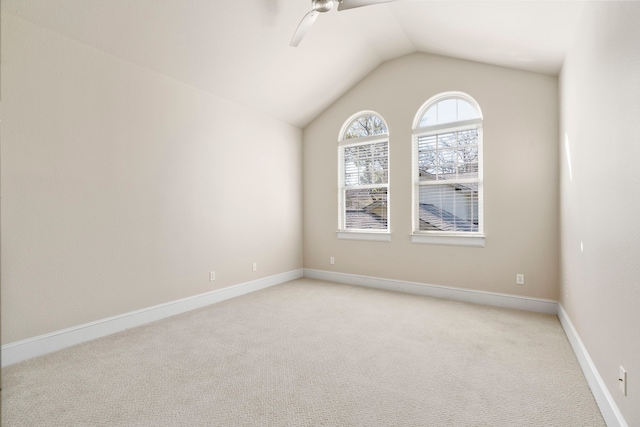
[366, 209]
[452, 155]
[468, 170]
[448, 207]
[448, 111]
[447, 156]
[468, 153]
[428, 165]
[447, 140]
[427, 142]
[366, 125]
[366, 164]
[466, 111]
[430, 117]
[467, 137]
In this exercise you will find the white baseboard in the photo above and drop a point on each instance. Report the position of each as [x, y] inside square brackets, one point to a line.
[610, 411]
[26, 349]
[466, 295]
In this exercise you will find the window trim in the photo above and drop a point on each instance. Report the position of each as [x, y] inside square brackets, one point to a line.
[461, 125]
[361, 234]
[365, 140]
[471, 239]
[371, 235]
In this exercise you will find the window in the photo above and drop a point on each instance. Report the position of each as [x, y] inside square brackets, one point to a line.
[447, 171]
[363, 178]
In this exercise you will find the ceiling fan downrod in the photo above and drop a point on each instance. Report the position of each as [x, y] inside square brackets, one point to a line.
[322, 5]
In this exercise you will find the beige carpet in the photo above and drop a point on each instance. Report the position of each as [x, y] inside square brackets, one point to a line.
[311, 353]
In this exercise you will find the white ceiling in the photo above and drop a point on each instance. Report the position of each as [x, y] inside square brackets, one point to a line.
[239, 49]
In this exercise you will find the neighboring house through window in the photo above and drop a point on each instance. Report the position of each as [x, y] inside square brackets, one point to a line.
[447, 171]
[363, 178]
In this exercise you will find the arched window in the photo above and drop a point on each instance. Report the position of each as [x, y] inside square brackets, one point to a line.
[363, 177]
[447, 170]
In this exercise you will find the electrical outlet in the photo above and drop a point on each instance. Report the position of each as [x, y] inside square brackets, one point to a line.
[622, 381]
[254, 266]
[212, 276]
[519, 279]
[332, 260]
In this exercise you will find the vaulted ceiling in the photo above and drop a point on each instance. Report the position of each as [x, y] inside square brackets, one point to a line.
[239, 49]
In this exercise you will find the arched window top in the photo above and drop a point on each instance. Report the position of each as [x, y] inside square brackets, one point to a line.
[448, 107]
[362, 125]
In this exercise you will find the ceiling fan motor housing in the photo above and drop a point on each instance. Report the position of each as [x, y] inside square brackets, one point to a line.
[322, 5]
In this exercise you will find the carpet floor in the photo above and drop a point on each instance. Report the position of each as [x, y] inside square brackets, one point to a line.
[313, 353]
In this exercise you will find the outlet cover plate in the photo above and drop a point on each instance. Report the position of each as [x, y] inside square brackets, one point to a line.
[622, 381]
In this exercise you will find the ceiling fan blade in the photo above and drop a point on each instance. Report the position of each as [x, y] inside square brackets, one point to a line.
[351, 4]
[304, 27]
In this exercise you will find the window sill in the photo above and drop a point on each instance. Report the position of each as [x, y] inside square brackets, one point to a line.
[476, 241]
[364, 235]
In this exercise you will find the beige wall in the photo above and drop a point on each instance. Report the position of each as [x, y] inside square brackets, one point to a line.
[521, 179]
[600, 93]
[122, 188]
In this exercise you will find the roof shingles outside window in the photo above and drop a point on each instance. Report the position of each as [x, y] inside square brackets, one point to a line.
[371, 217]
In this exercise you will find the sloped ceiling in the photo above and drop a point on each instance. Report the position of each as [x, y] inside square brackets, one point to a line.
[239, 49]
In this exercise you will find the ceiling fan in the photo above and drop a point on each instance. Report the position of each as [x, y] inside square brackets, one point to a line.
[321, 6]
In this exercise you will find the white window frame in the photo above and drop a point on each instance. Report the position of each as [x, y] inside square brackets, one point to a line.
[459, 238]
[361, 234]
